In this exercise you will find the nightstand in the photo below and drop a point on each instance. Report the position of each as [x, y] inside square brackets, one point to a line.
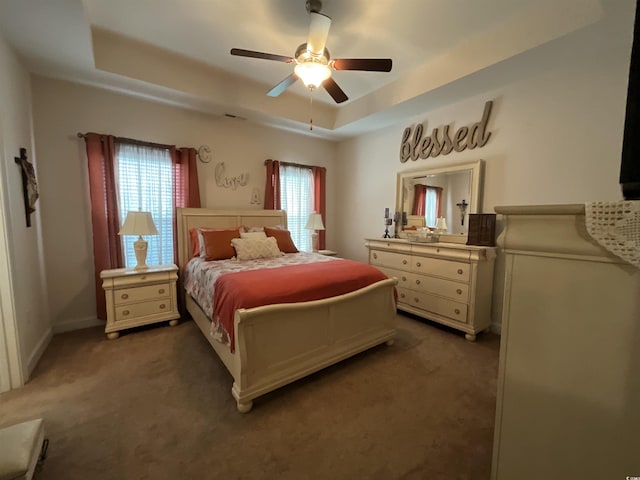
[139, 297]
[328, 253]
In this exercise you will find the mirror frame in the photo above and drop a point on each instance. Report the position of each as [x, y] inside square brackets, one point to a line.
[475, 198]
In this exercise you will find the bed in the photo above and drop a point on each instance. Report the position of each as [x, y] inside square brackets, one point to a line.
[280, 343]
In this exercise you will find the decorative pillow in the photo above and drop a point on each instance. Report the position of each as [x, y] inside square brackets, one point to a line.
[201, 242]
[253, 235]
[194, 240]
[244, 228]
[252, 248]
[283, 237]
[217, 243]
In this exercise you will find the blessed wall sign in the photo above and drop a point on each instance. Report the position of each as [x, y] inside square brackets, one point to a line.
[441, 141]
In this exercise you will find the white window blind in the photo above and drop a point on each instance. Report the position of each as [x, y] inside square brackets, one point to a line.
[144, 181]
[296, 198]
[431, 202]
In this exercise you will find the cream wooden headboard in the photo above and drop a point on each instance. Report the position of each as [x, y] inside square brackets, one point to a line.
[189, 218]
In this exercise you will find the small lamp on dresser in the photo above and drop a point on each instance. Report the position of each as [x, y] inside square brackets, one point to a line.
[139, 223]
[314, 223]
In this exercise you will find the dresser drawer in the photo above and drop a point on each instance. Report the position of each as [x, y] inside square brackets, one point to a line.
[404, 278]
[438, 286]
[439, 305]
[389, 259]
[137, 294]
[143, 309]
[441, 268]
[142, 279]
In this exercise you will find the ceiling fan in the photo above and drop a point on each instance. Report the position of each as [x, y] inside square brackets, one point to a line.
[313, 65]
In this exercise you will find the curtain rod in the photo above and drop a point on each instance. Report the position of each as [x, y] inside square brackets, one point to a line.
[289, 164]
[134, 142]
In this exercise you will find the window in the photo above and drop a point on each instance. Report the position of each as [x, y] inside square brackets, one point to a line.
[144, 181]
[296, 198]
[432, 203]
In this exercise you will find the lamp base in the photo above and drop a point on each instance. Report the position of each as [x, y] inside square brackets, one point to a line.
[140, 249]
[314, 241]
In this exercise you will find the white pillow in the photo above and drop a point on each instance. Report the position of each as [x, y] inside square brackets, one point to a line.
[253, 235]
[251, 249]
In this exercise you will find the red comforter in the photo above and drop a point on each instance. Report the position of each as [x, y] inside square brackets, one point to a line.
[289, 284]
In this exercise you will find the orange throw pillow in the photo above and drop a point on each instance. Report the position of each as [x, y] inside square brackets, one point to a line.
[283, 237]
[217, 244]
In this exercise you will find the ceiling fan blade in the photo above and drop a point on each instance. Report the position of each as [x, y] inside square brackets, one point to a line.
[365, 64]
[266, 56]
[283, 85]
[334, 90]
[318, 32]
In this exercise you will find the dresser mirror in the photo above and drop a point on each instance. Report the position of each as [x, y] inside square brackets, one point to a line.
[451, 192]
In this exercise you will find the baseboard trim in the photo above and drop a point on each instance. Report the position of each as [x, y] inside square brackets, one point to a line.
[77, 324]
[496, 328]
[37, 352]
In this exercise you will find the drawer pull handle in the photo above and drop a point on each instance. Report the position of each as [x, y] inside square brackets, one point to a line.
[124, 296]
[404, 262]
[459, 292]
[161, 291]
[460, 271]
[457, 311]
[402, 295]
[418, 264]
[404, 279]
[162, 306]
[416, 300]
[437, 250]
[143, 277]
[417, 282]
[125, 312]
[375, 255]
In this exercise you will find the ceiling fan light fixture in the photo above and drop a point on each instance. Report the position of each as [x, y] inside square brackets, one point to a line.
[312, 73]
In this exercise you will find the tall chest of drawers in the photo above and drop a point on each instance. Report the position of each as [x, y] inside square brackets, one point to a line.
[448, 283]
[139, 297]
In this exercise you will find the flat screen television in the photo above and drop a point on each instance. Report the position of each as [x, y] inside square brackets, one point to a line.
[630, 166]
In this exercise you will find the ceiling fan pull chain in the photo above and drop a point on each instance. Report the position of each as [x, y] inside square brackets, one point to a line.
[311, 108]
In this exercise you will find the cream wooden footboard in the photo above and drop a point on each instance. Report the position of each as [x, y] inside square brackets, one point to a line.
[277, 344]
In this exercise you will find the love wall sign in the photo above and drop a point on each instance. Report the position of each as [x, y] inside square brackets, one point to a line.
[442, 141]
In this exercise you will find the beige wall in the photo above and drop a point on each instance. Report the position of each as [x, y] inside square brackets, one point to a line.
[61, 109]
[556, 126]
[22, 290]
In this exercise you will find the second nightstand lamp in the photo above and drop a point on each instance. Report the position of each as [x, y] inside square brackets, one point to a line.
[139, 223]
[314, 223]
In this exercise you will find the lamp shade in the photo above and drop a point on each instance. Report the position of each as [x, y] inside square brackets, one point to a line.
[441, 224]
[138, 223]
[314, 222]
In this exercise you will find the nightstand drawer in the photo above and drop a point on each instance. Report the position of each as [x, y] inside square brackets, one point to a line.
[137, 294]
[143, 309]
[142, 279]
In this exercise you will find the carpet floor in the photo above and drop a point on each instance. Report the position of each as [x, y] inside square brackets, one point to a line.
[156, 404]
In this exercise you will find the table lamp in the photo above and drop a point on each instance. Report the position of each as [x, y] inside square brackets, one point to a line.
[314, 223]
[441, 226]
[139, 223]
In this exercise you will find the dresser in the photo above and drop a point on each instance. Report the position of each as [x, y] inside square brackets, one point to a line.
[448, 283]
[568, 400]
[139, 297]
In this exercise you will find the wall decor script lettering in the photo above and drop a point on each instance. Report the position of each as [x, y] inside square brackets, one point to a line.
[442, 142]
